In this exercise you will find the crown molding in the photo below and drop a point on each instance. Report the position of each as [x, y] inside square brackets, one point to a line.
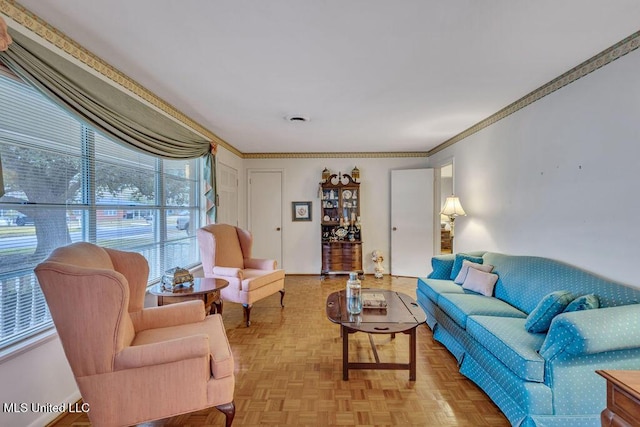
[51, 35]
[336, 155]
[603, 58]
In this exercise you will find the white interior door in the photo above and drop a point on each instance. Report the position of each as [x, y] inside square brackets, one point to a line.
[228, 195]
[265, 213]
[411, 222]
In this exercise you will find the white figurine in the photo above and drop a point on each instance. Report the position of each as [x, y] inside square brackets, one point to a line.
[377, 258]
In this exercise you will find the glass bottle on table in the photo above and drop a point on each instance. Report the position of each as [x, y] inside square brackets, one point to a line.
[354, 294]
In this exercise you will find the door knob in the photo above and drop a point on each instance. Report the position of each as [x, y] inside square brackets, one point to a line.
[394, 228]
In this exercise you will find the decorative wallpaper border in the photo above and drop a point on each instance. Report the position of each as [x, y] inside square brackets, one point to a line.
[349, 155]
[30, 21]
[608, 55]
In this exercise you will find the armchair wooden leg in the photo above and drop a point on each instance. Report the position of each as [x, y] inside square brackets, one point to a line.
[229, 411]
[247, 313]
[281, 297]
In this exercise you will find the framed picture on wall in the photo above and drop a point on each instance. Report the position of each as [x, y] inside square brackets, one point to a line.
[301, 211]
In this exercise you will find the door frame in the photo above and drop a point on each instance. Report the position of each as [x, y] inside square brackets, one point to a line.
[437, 197]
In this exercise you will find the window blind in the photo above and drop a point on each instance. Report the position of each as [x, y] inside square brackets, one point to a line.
[64, 182]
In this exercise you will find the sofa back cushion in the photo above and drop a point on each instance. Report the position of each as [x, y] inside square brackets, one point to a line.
[524, 280]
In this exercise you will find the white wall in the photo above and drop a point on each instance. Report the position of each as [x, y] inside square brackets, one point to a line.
[559, 178]
[38, 375]
[301, 240]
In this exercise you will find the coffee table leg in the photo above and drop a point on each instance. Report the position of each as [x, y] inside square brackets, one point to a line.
[412, 355]
[345, 353]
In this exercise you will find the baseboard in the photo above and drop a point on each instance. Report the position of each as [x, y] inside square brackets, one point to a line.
[46, 418]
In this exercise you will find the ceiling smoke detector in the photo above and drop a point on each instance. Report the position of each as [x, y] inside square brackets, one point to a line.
[295, 118]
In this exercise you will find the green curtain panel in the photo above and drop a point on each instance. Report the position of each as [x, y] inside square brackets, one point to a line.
[211, 191]
[104, 107]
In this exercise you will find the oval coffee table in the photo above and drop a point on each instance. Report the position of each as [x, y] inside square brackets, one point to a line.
[204, 288]
[402, 315]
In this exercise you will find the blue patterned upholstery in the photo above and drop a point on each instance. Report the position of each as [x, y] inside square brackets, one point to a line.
[441, 266]
[460, 306]
[510, 343]
[433, 288]
[584, 302]
[536, 379]
[549, 307]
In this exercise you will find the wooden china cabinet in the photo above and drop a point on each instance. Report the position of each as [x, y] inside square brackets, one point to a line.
[340, 225]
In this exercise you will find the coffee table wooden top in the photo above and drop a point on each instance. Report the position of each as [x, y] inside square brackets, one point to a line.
[201, 285]
[402, 313]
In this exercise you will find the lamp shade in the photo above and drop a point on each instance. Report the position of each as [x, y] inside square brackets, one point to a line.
[452, 207]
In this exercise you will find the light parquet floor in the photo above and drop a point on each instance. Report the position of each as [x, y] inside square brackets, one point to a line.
[289, 370]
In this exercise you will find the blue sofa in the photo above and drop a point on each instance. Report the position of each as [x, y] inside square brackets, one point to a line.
[536, 379]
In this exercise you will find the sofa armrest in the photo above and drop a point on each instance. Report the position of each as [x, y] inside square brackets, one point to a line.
[138, 356]
[168, 315]
[260, 264]
[228, 272]
[593, 331]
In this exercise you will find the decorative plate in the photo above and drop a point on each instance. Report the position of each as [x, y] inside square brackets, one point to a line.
[341, 232]
[346, 194]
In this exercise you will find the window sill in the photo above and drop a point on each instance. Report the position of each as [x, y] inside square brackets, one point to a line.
[28, 344]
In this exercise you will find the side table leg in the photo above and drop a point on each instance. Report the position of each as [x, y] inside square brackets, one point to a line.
[218, 306]
[345, 353]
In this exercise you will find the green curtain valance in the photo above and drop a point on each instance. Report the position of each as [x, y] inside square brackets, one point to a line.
[107, 109]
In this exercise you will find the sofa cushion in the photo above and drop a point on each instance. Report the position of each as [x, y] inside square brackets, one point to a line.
[466, 264]
[460, 306]
[432, 288]
[457, 263]
[254, 279]
[441, 266]
[549, 307]
[480, 282]
[222, 363]
[584, 302]
[508, 341]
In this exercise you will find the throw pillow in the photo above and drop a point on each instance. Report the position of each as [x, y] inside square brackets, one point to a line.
[480, 282]
[549, 307]
[457, 264]
[466, 264]
[441, 266]
[584, 302]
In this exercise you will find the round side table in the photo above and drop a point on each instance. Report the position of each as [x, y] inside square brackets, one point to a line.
[204, 288]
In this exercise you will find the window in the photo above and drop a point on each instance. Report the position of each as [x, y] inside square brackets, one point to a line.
[66, 183]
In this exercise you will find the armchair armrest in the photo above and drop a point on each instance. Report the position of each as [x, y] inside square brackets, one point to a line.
[138, 356]
[228, 271]
[260, 264]
[168, 315]
[593, 331]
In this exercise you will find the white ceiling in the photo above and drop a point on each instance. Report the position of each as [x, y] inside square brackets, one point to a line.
[372, 75]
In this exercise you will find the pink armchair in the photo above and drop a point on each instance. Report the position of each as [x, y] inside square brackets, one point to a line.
[133, 364]
[226, 254]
